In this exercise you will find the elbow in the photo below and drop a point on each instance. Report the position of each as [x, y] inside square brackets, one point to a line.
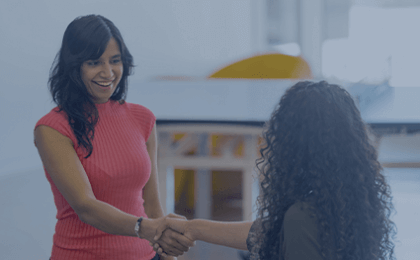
[83, 217]
[85, 211]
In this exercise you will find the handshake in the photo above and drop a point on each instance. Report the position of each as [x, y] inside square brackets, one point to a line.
[170, 235]
[173, 235]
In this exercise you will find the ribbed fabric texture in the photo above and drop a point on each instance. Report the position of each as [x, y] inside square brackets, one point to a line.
[118, 169]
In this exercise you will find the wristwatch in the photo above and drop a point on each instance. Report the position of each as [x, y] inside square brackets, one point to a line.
[137, 226]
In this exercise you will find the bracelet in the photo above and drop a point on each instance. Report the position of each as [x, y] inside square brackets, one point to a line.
[137, 226]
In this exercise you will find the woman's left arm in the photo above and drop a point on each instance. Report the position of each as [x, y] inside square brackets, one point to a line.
[151, 191]
[152, 207]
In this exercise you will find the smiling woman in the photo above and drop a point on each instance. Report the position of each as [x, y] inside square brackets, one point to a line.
[101, 77]
[89, 53]
[102, 173]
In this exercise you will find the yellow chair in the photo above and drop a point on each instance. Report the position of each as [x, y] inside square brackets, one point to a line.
[267, 66]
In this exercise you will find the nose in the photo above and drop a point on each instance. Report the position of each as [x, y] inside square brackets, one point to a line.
[106, 71]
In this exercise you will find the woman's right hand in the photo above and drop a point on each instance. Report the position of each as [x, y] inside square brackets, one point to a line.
[172, 222]
[180, 225]
[173, 241]
[231, 234]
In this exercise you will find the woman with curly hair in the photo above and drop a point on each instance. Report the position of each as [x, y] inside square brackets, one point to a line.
[323, 195]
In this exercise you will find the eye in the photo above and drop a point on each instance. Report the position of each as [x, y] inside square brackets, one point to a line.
[92, 63]
[116, 61]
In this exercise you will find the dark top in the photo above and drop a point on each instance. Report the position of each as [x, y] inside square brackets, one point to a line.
[298, 235]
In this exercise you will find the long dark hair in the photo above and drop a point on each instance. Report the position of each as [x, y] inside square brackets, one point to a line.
[316, 143]
[85, 38]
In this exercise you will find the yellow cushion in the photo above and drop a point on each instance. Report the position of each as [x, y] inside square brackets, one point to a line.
[267, 66]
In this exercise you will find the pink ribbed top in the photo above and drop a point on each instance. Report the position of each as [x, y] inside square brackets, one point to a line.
[118, 169]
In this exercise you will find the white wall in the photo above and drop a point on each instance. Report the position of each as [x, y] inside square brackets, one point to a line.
[232, 100]
[399, 149]
[188, 38]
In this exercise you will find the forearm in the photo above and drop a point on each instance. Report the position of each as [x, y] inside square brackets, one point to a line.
[153, 210]
[230, 234]
[107, 218]
[111, 220]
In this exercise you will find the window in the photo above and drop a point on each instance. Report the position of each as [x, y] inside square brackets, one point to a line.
[382, 46]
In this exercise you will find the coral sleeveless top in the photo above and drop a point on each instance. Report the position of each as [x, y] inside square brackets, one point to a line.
[118, 169]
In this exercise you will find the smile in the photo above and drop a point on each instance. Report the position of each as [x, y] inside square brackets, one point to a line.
[103, 84]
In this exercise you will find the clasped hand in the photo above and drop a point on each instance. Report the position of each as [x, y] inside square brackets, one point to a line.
[171, 236]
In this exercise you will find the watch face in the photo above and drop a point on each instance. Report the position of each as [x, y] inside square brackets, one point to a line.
[136, 228]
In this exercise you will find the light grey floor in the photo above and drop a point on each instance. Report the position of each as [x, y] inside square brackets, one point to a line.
[27, 218]
[206, 251]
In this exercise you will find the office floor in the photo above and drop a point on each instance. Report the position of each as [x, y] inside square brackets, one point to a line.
[206, 251]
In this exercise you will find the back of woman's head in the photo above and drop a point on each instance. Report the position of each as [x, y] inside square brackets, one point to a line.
[85, 38]
[317, 126]
[318, 150]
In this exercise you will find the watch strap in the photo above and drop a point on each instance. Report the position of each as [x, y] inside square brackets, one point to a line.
[137, 226]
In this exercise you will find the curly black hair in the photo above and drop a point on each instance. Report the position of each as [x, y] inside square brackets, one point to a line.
[85, 38]
[317, 143]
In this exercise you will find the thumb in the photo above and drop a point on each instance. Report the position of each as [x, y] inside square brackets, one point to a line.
[159, 231]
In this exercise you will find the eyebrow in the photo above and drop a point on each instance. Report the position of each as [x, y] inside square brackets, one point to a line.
[113, 57]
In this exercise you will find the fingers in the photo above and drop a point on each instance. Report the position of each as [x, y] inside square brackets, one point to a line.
[171, 240]
[170, 244]
[160, 252]
[159, 230]
[164, 224]
[177, 240]
[165, 248]
[158, 249]
[182, 240]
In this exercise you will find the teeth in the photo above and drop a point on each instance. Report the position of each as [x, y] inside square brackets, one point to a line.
[104, 84]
